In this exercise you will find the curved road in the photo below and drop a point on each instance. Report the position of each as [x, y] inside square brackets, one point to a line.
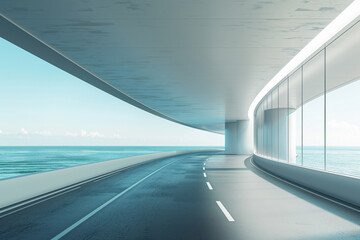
[195, 196]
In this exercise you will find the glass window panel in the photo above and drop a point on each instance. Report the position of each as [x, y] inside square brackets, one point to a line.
[342, 103]
[295, 117]
[263, 108]
[274, 111]
[259, 135]
[342, 59]
[313, 112]
[262, 128]
[343, 130]
[257, 130]
[283, 121]
[267, 126]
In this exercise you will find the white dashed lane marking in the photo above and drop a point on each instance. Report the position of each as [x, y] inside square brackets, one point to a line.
[226, 213]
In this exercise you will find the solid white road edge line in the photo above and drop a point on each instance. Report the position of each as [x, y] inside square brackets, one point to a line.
[225, 212]
[103, 178]
[35, 199]
[17, 210]
[209, 186]
[69, 229]
[61, 190]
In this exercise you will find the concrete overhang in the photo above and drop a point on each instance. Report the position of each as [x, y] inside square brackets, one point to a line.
[197, 63]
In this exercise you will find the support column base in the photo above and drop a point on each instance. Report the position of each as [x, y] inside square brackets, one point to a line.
[239, 137]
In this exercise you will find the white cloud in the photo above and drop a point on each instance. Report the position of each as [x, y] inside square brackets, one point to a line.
[83, 133]
[43, 133]
[71, 134]
[95, 134]
[46, 133]
[24, 131]
[118, 136]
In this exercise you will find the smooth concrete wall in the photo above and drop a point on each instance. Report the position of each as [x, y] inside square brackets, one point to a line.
[341, 187]
[22, 188]
[239, 137]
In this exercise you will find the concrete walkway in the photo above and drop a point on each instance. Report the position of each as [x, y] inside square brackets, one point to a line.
[266, 208]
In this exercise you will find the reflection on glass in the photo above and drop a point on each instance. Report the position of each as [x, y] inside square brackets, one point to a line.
[342, 103]
[274, 111]
[267, 126]
[292, 116]
[343, 130]
[295, 117]
[283, 121]
[313, 112]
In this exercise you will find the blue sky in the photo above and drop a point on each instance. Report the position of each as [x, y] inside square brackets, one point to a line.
[43, 105]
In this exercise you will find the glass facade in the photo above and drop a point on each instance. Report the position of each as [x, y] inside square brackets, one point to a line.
[312, 118]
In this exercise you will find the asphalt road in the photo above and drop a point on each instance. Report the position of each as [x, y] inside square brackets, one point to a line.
[167, 202]
[195, 196]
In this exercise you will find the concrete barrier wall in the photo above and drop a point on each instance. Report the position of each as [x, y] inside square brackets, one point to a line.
[341, 187]
[22, 188]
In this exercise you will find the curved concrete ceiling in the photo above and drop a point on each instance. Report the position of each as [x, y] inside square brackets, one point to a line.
[200, 63]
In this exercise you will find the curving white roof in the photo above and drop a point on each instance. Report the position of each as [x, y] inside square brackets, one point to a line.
[199, 63]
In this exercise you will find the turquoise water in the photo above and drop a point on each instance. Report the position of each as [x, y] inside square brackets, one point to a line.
[18, 161]
[344, 160]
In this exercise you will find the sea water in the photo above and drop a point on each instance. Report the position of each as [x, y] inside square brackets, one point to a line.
[19, 161]
[345, 160]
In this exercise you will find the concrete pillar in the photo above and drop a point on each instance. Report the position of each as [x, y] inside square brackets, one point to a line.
[239, 137]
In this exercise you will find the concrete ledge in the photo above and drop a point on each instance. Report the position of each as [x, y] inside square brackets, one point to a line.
[344, 188]
[15, 190]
